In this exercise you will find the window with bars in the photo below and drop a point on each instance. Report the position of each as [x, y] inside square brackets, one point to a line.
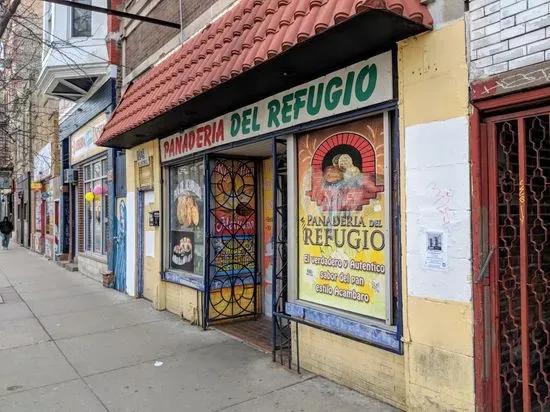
[96, 221]
[81, 20]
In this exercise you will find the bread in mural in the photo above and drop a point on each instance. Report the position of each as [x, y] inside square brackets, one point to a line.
[187, 211]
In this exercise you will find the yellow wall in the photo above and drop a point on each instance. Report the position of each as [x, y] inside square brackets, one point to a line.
[369, 370]
[184, 302]
[180, 300]
[153, 288]
[433, 79]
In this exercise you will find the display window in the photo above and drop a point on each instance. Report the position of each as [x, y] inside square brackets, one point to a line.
[343, 218]
[96, 221]
[186, 211]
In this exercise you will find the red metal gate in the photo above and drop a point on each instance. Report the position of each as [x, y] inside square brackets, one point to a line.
[518, 189]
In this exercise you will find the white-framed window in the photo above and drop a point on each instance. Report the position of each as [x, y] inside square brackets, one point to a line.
[81, 20]
[96, 221]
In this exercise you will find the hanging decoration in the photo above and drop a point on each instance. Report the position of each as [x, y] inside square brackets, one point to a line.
[89, 196]
[98, 190]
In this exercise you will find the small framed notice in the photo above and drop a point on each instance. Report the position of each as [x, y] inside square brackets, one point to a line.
[435, 254]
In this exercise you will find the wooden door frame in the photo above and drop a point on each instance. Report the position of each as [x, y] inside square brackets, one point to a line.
[480, 110]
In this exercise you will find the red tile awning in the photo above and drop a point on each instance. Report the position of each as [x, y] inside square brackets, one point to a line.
[250, 33]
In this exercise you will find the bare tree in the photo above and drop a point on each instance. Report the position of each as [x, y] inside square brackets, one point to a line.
[27, 121]
[26, 126]
[7, 10]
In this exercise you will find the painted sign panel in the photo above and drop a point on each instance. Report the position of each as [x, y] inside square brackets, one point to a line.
[268, 255]
[83, 140]
[341, 212]
[360, 85]
[43, 163]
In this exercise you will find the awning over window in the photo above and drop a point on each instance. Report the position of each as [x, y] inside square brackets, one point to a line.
[247, 36]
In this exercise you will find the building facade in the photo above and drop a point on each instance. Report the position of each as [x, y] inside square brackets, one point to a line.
[29, 134]
[510, 53]
[82, 72]
[329, 201]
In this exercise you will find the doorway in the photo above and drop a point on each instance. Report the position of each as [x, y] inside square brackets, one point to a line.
[517, 286]
[240, 259]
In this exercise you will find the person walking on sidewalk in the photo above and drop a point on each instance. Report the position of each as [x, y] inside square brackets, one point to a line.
[6, 227]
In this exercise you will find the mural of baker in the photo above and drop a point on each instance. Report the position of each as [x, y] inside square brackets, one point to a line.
[343, 173]
[342, 217]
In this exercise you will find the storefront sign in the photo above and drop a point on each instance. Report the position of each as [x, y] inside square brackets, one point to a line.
[35, 187]
[142, 157]
[360, 85]
[342, 229]
[43, 163]
[83, 140]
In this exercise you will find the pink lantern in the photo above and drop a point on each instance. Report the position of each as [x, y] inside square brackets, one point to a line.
[98, 190]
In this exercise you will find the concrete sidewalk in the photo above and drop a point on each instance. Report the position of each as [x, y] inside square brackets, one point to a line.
[68, 344]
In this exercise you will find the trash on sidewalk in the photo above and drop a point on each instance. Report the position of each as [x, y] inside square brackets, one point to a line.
[159, 363]
[108, 279]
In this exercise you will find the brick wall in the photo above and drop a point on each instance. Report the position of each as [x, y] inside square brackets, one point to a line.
[507, 35]
[147, 38]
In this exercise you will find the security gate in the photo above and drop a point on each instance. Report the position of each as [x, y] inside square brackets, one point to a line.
[518, 190]
[232, 268]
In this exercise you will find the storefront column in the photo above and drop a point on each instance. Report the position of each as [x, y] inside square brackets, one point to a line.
[437, 290]
[143, 184]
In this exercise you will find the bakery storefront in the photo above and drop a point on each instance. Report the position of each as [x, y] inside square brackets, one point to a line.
[295, 187]
[267, 162]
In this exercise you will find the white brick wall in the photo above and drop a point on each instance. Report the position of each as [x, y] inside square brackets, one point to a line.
[507, 34]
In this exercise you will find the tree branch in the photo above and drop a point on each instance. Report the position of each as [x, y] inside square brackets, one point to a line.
[10, 11]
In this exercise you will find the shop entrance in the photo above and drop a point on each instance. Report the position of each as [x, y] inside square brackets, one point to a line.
[517, 339]
[233, 240]
[240, 258]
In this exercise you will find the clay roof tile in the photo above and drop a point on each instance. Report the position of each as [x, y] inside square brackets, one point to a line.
[247, 35]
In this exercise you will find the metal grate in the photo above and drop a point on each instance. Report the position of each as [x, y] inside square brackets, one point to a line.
[231, 285]
[521, 290]
[281, 334]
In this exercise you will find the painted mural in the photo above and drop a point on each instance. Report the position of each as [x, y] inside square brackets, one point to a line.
[120, 247]
[342, 245]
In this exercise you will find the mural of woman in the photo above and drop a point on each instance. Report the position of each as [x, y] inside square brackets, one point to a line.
[120, 248]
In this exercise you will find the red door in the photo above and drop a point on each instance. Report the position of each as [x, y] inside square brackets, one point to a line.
[517, 315]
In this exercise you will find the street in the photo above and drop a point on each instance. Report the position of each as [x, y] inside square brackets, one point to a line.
[68, 344]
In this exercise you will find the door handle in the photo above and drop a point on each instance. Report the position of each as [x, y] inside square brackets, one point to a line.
[484, 268]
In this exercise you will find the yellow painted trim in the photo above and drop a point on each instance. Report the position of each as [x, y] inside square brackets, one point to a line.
[433, 74]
